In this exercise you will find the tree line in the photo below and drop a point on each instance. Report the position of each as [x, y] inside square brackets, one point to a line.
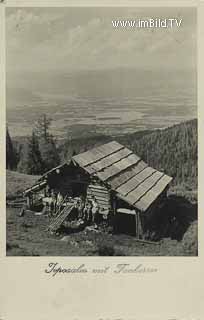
[172, 150]
[36, 155]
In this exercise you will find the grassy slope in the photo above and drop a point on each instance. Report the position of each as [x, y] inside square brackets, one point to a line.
[17, 182]
[26, 236]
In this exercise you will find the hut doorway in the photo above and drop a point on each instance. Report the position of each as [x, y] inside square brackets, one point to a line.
[125, 218]
[125, 223]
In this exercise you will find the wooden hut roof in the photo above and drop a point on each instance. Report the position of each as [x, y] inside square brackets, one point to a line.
[41, 182]
[124, 172]
[53, 170]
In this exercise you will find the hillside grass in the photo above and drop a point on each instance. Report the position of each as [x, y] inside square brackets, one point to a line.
[17, 182]
[27, 235]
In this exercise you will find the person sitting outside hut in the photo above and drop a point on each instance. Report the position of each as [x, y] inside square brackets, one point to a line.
[59, 201]
[87, 211]
[76, 208]
[23, 210]
[53, 202]
[95, 209]
[81, 206]
[47, 191]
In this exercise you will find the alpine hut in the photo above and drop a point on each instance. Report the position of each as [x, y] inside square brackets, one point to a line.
[124, 186]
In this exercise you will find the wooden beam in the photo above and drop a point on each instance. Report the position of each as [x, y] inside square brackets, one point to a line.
[135, 225]
[114, 205]
[28, 201]
[79, 181]
[137, 221]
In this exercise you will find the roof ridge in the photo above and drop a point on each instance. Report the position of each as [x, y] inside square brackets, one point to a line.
[90, 153]
[97, 147]
[110, 154]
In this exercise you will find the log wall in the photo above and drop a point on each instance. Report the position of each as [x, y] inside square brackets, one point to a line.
[101, 194]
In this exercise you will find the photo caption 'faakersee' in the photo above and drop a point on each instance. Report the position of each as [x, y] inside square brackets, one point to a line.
[55, 268]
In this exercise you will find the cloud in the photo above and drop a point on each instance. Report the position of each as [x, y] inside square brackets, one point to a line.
[72, 39]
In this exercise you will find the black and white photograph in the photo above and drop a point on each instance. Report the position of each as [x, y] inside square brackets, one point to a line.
[101, 131]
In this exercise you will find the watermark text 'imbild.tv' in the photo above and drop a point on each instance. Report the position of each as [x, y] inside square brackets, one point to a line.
[148, 23]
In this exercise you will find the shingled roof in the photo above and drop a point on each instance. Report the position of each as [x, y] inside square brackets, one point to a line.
[124, 172]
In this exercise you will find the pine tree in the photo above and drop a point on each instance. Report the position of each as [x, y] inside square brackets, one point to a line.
[47, 145]
[42, 126]
[48, 153]
[11, 158]
[30, 157]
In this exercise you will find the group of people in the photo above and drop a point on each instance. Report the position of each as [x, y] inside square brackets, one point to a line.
[55, 201]
[88, 210]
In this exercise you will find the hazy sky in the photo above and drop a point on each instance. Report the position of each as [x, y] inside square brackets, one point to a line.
[67, 39]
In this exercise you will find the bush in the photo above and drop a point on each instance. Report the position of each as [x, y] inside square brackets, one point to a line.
[119, 253]
[190, 240]
[106, 250]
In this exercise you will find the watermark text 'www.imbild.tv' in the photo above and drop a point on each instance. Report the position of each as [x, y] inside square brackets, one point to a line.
[148, 23]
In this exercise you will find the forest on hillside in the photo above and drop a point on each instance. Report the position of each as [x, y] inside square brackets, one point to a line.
[173, 150]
